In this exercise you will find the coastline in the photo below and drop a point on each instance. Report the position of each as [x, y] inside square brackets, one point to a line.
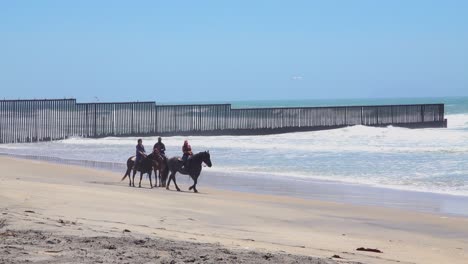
[312, 189]
[101, 205]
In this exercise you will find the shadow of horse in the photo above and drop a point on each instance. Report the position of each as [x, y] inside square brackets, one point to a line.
[193, 168]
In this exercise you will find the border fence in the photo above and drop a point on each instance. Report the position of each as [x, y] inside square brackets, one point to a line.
[54, 119]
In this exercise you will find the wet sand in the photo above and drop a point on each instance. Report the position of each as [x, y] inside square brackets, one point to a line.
[307, 188]
[69, 205]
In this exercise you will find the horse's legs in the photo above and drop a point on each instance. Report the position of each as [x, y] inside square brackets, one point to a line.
[128, 174]
[160, 180]
[170, 179]
[129, 178]
[151, 183]
[155, 178]
[133, 181]
[194, 186]
[141, 177]
[163, 180]
[175, 183]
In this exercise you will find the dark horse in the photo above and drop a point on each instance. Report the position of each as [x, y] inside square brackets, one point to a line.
[163, 170]
[147, 165]
[192, 168]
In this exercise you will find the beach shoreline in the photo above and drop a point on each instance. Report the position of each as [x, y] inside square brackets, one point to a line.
[37, 195]
[304, 188]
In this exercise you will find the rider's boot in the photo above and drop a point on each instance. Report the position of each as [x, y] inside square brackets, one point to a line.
[184, 165]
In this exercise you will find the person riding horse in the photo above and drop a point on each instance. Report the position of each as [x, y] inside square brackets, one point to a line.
[140, 153]
[187, 150]
[160, 147]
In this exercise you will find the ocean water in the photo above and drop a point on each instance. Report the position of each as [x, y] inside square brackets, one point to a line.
[426, 160]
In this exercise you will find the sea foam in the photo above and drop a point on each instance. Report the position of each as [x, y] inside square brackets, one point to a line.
[432, 160]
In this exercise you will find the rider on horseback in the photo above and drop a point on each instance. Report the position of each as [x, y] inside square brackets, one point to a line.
[187, 150]
[160, 147]
[140, 153]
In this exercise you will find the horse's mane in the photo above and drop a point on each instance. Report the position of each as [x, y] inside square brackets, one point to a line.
[199, 155]
[157, 157]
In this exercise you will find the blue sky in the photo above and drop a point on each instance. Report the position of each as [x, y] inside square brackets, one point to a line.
[233, 50]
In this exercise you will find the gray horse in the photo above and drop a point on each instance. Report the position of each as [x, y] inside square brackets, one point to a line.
[192, 168]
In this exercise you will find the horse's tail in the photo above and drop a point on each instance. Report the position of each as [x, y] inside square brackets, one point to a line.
[126, 174]
[129, 168]
[165, 172]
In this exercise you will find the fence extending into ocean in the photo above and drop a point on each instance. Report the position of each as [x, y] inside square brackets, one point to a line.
[54, 119]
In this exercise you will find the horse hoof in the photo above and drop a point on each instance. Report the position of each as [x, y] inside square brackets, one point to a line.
[178, 190]
[190, 188]
[167, 188]
[195, 191]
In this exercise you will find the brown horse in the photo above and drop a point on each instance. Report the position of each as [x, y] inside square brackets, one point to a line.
[162, 170]
[147, 165]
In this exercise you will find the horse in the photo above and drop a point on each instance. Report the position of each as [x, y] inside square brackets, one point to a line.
[192, 168]
[147, 165]
[163, 170]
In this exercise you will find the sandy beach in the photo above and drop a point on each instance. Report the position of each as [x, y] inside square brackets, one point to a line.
[65, 214]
